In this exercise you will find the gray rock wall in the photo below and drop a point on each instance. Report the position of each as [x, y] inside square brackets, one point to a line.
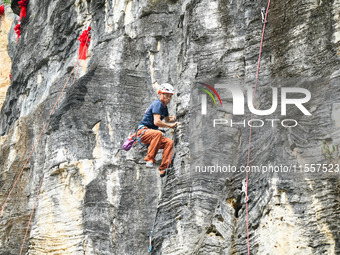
[98, 200]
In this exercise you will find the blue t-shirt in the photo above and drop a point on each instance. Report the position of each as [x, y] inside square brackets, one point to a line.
[155, 107]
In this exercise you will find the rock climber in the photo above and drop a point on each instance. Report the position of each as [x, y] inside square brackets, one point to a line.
[150, 134]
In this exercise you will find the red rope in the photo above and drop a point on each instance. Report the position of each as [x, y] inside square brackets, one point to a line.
[15, 183]
[36, 142]
[257, 77]
[29, 223]
[42, 178]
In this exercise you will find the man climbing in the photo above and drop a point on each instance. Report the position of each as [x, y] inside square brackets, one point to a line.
[148, 129]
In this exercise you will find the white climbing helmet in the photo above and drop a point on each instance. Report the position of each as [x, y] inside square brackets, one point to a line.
[166, 88]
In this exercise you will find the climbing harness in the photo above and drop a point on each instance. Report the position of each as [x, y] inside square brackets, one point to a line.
[162, 190]
[140, 139]
[35, 144]
[133, 139]
[264, 21]
[141, 126]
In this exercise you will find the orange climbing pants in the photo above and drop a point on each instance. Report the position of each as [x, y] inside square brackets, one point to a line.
[157, 141]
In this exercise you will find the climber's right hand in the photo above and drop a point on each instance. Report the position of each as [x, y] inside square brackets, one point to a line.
[174, 125]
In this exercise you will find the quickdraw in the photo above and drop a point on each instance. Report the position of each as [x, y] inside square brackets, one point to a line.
[263, 13]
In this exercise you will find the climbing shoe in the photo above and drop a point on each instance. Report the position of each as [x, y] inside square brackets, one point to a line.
[149, 164]
[162, 173]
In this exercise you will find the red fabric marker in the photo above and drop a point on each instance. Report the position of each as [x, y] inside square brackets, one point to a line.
[2, 9]
[84, 39]
[23, 6]
[17, 31]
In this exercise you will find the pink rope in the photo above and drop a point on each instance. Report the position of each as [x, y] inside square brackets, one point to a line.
[257, 78]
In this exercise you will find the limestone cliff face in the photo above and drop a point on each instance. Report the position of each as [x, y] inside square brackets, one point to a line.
[5, 64]
[95, 199]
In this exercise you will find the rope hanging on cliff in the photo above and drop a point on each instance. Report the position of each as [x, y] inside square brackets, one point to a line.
[42, 178]
[35, 144]
[264, 21]
[162, 190]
